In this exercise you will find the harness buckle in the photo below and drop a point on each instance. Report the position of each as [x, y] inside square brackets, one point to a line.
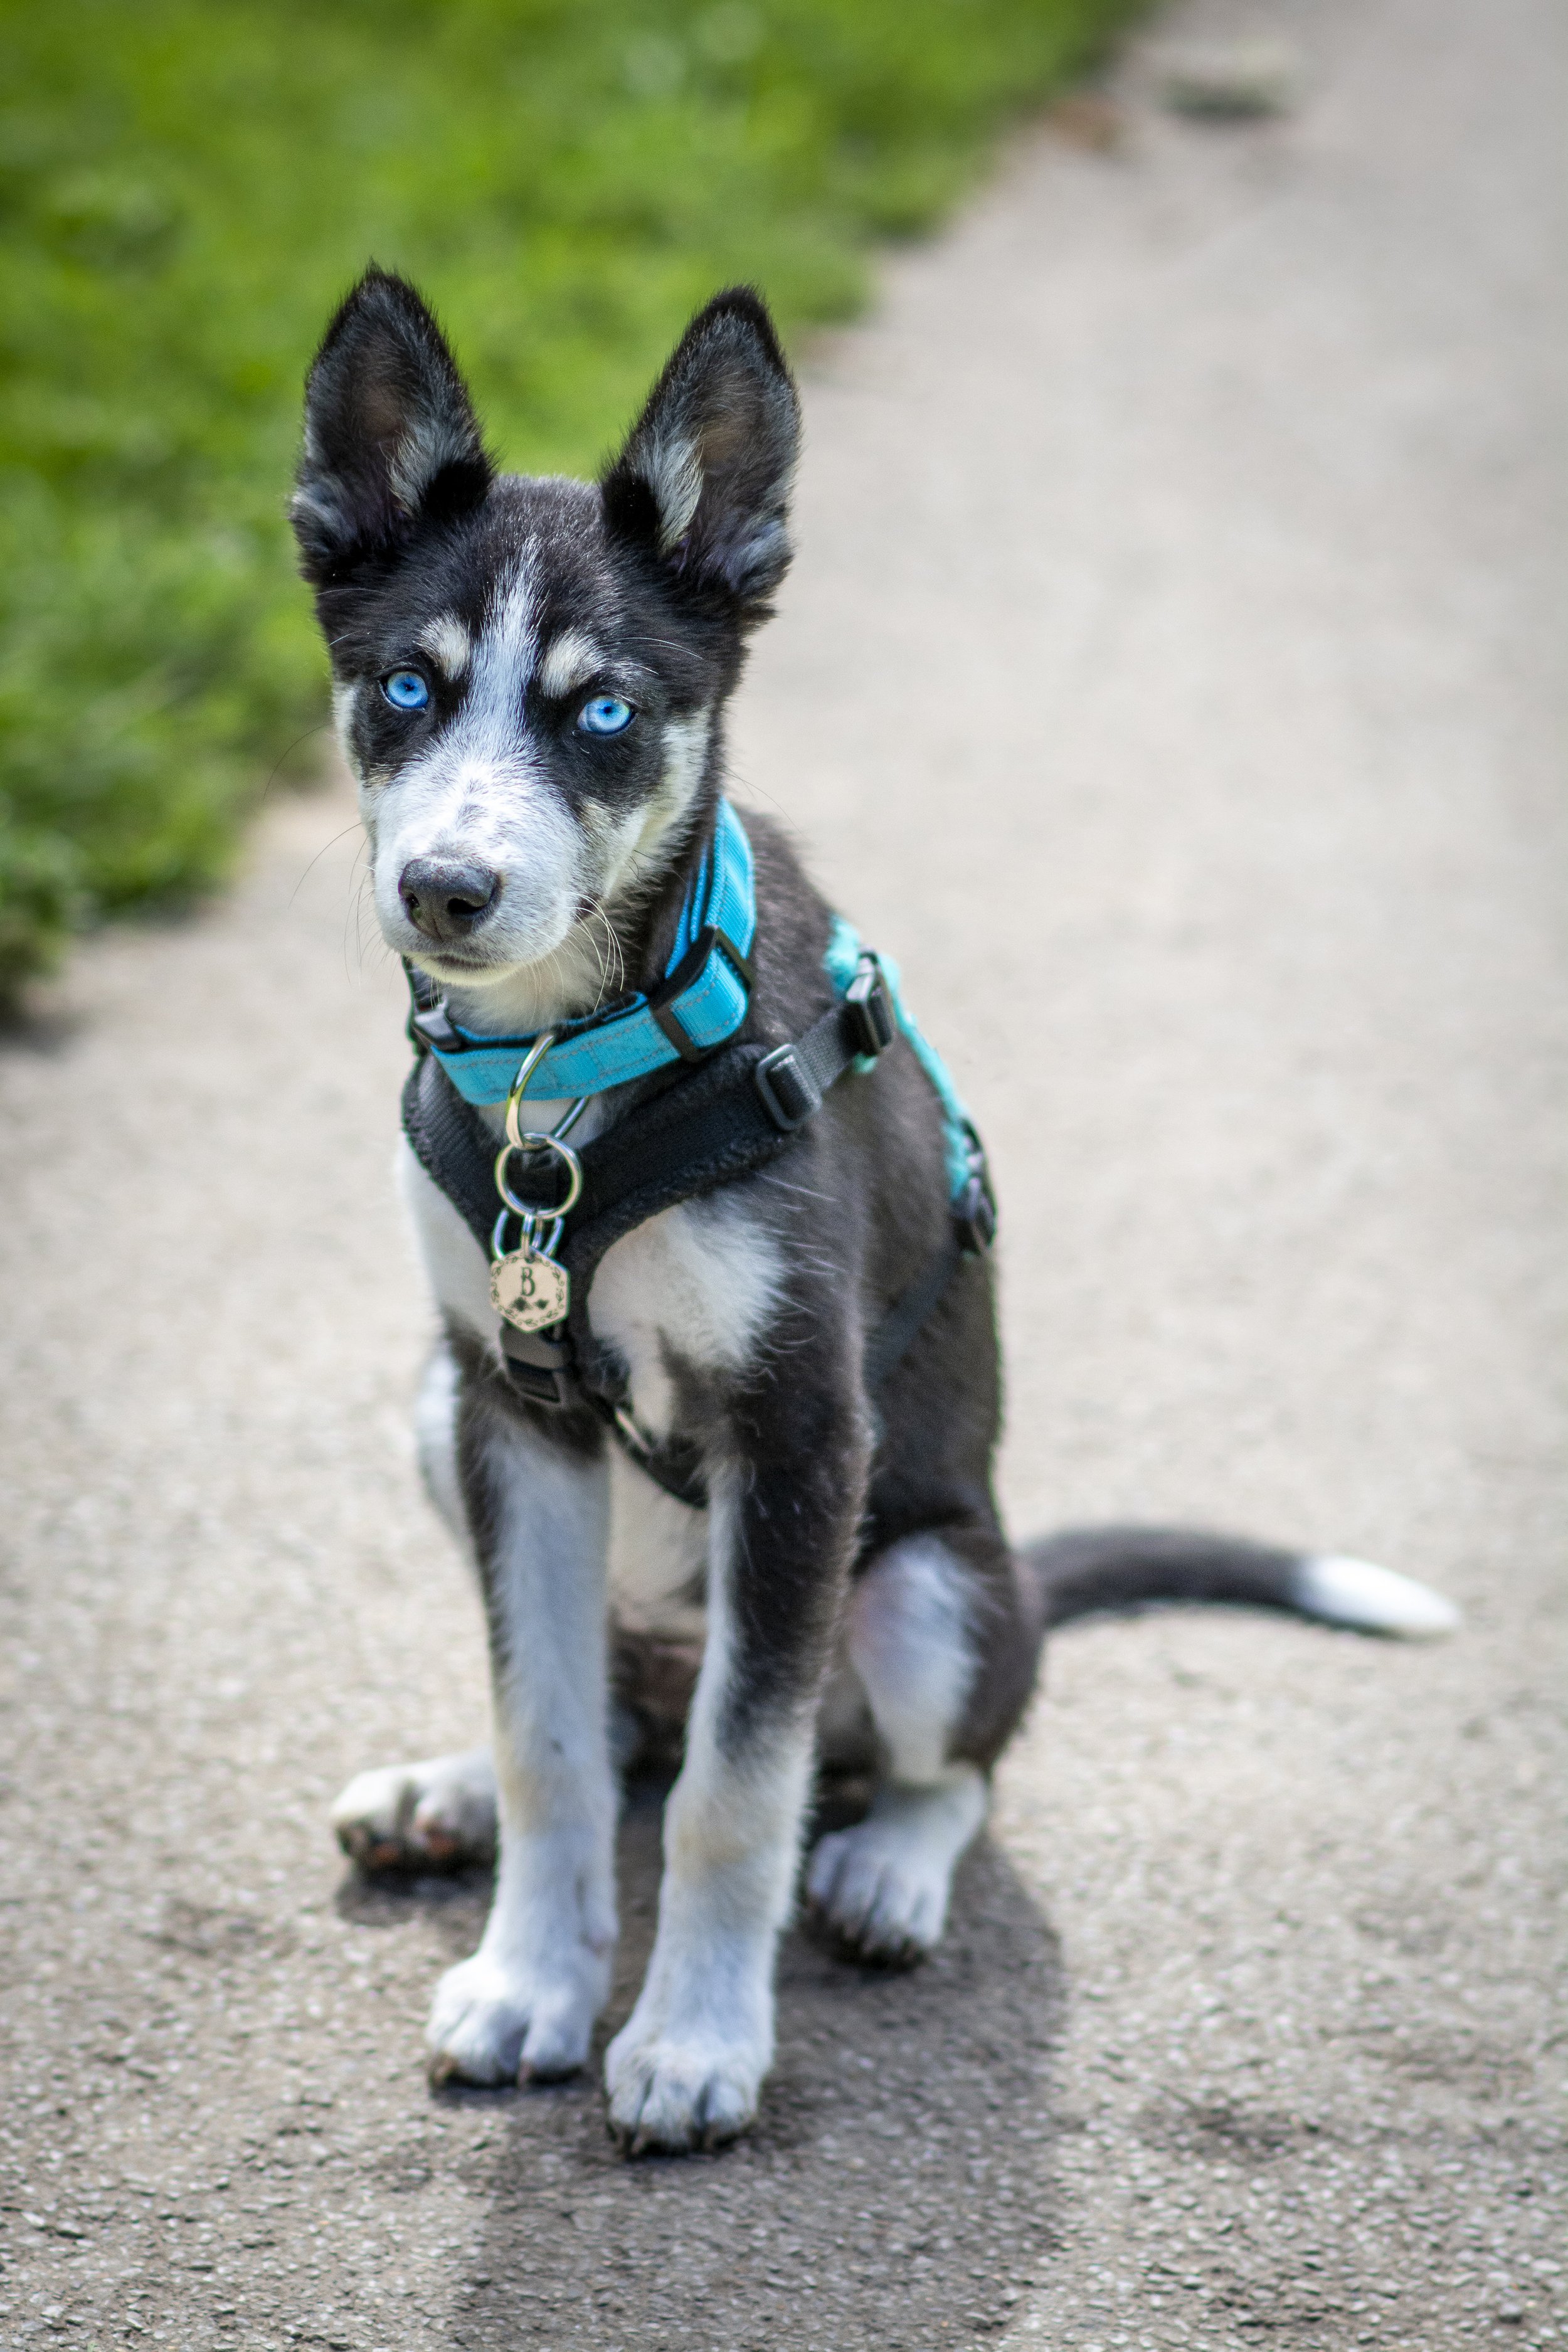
[427, 1025]
[869, 1003]
[974, 1209]
[789, 1093]
[537, 1368]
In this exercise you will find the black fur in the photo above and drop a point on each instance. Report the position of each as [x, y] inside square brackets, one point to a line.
[668, 565]
[391, 441]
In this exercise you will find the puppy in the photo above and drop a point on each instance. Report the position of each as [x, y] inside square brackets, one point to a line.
[721, 1454]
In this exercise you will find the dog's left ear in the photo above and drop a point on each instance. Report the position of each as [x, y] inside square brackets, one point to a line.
[390, 438]
[704, 479]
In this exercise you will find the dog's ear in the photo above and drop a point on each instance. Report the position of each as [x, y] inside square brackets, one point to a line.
[390, 434]
[704, 479]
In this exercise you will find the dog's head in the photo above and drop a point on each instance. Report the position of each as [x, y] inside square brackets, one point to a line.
[528, 673]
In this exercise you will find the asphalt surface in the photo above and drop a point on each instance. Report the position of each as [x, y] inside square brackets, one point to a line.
[1173, 679]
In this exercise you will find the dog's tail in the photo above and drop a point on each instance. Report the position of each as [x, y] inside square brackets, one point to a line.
[1088, 1569]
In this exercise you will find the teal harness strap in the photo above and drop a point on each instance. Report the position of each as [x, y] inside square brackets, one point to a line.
[733, 1115]
[963, 1145]
[701, 1002]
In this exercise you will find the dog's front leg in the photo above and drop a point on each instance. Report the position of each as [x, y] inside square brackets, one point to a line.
[685, 2070]
[524, 2005]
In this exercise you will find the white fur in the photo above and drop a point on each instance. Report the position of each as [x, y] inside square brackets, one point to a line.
[700, 1279]
[570, 660]
[1376, 1600]
[628, 848]
[671, 465]
[429, 443]
[481, 794]
[909, 1642]
[436, 1429]
[435, 1812]
[883, 1885]
[527, 1999]
[686, 2068]
[658, 1553]
[345, 695]
[696, 1283]
[455, 1265]
[448, 644]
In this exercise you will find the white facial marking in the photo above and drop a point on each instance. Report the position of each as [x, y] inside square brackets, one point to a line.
[448, 644]
[504, 663]
[626, 847]
[345, 701]
[570, 661]
[481, 795]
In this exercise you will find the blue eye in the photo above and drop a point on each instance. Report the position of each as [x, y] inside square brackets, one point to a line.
[406, 689]
[606, 715]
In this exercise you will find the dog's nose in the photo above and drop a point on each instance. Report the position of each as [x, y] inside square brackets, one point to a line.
[444, 898]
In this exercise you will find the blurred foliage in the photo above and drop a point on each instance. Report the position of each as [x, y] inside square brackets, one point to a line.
[188, 186]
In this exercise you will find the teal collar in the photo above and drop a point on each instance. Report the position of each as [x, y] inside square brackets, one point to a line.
[700, 1001]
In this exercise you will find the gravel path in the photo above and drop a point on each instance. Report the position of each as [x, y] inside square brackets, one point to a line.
[1173, 678]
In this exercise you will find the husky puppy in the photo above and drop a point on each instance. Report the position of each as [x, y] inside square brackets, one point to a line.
[530, 677]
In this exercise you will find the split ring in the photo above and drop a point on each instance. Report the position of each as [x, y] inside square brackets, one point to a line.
[569, 1160]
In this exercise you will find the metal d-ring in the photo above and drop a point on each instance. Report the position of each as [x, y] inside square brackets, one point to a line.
[533, 1215]
[526, 1068]
[524, 1138]
[540, 1209]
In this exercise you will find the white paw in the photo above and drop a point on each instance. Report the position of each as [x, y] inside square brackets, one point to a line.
[435, 1815]
[673, 2092]
[495, 2023]
[882, 1887]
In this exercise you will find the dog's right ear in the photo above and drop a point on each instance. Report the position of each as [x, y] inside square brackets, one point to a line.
[391, 438]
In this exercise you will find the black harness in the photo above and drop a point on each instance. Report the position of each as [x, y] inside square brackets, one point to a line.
[737, 1109]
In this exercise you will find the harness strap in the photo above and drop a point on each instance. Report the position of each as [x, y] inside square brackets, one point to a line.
[735, 1112]
[702, 1001]
[894, 1335]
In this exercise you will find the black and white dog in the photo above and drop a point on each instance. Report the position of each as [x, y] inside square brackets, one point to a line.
[531, 679]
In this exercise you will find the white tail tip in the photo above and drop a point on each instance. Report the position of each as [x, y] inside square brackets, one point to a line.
[1357, 1592]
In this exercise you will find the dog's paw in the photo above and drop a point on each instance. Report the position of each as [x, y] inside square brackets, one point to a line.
[877, 1899]
[669, 2093]
[435, 1816]
[882, 1888]
[493, 2024]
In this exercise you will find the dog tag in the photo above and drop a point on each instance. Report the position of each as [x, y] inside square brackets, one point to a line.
[530, 1290]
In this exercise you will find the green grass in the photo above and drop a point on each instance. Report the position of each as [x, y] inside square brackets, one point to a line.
[187, 188]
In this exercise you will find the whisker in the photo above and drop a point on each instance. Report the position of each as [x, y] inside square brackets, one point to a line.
[319, 855]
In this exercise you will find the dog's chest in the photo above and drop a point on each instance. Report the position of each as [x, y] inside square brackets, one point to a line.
[691, 1290]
